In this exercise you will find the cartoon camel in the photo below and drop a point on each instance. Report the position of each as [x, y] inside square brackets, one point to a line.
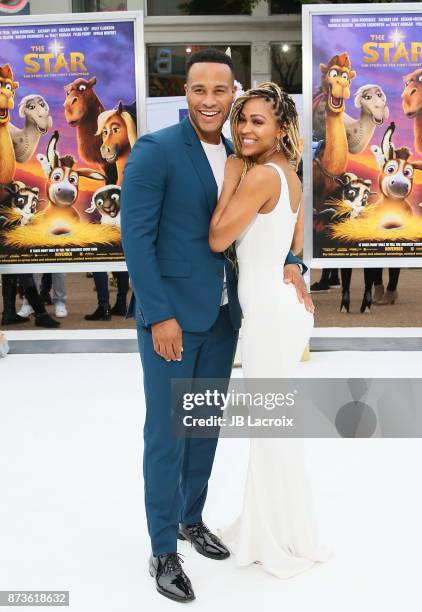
[335, 82]
[35, 110]
[81, 109]
[118, 132]
[7, 153]
[372, 102]
[412, 104]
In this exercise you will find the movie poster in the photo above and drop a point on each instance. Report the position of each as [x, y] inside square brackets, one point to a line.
[68, 121]
[367, 135]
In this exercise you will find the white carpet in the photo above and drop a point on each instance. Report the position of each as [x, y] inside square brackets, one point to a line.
[72, 516]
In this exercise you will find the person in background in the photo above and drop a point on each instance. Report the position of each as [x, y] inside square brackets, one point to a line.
[9, 289]
[46, 282]
[382, 298]
[329, 280]
[346, 277]
[103, 311]
[30, 292]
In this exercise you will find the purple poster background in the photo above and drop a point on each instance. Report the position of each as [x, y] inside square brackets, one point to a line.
[383, 49]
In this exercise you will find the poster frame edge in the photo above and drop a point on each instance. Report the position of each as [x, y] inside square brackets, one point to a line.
[137, 18]
[308, 11]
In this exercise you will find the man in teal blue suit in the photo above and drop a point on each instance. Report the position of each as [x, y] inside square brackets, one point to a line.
[185, 304]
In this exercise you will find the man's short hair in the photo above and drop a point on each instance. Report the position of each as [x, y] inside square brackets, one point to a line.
[211, 56]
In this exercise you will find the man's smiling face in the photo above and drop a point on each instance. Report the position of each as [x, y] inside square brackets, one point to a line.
[210, 93]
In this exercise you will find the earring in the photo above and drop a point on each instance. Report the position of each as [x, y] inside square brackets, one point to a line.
[278, 147]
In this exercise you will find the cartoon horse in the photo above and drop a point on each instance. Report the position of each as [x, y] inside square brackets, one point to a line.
[81, 109]
[118, 132]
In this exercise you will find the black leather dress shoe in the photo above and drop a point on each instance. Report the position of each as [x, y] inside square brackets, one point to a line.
[170, 578]
[205, 542]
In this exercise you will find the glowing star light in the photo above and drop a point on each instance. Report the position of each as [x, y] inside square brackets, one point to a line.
[56, 48]
[397, 37]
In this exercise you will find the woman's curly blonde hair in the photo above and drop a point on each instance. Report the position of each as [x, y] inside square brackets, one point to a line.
[285, 112]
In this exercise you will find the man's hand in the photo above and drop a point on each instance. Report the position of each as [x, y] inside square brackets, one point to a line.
[167, 339]
[292, 275]
[233, 170]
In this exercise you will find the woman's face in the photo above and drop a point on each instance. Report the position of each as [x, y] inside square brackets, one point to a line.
[258, 129]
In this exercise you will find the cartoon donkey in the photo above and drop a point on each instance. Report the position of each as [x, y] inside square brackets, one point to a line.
[62, 185]
[396, 177]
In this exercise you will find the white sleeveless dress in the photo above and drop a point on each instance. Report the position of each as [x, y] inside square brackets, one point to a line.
[276, 527]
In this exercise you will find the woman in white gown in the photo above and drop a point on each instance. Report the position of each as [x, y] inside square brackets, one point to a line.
[261, 208]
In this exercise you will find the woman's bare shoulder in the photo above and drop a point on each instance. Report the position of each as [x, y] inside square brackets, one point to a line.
[261, 174]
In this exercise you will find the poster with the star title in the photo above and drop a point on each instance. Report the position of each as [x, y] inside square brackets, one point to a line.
[365, 113]
[70, 106]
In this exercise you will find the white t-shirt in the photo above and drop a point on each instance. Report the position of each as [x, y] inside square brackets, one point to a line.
[217, 156]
